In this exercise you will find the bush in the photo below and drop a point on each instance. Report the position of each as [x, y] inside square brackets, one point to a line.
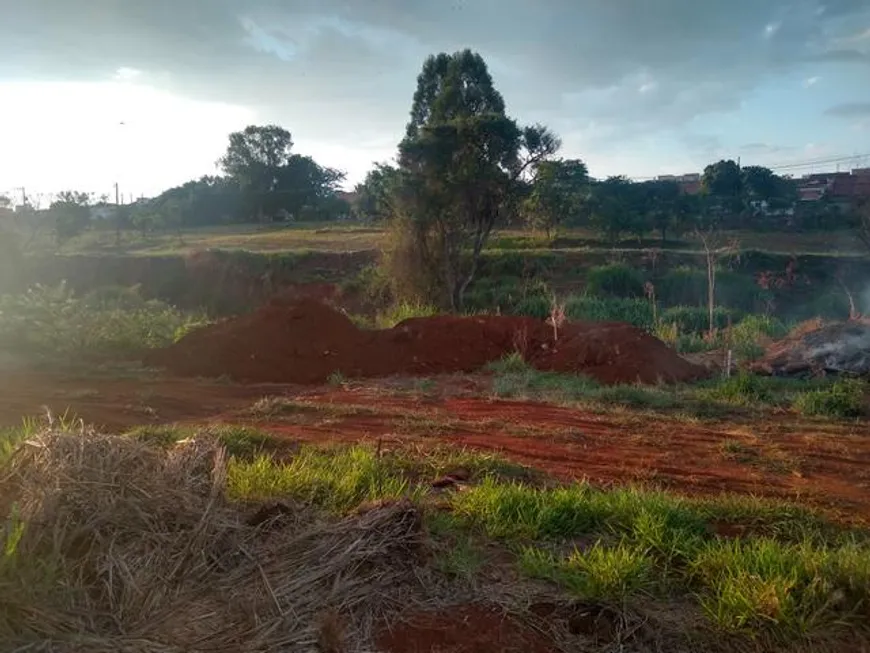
[617, 280]
[688, 286]
[682, 286]
[47, 322]
[692, 319]
[844, 399]
[743, 389]
[638, 312]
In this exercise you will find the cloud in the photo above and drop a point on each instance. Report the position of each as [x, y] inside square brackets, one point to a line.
[811, 81]
[850, 110]
[343, 71]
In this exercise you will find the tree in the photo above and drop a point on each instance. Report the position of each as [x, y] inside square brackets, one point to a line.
[559, 190]
[71, 214]
[255, 158]
[459, 165]
[617, 207]
[668, 209]
[723, 181]
[715, 248]
[303, 185]
[375, 194]
[863, 213]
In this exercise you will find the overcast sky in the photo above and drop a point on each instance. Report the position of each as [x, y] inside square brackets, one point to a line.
[635, 87]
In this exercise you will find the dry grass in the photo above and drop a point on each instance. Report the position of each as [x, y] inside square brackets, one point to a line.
[116, 546]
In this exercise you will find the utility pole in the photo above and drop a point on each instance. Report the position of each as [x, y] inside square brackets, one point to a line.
[117, 196]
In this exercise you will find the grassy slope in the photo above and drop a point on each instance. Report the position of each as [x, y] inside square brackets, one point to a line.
[337, 238]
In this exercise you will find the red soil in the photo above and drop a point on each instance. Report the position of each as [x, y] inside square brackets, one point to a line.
[815, 463]
[462, 629]
[304, 341]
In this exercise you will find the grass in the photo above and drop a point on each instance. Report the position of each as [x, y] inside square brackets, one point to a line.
[336, 481]
[238, 440]
[792, 576]
[843, 400]
[53, 323]
[712, 399]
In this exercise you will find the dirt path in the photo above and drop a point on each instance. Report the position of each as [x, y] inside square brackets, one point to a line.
[827, 465]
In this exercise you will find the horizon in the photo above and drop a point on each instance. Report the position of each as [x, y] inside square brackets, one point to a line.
[146, 96]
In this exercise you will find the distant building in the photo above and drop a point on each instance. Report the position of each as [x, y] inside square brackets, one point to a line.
[840, 188]
[689, 183]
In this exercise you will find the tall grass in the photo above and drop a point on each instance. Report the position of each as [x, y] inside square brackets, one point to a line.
[48, 322]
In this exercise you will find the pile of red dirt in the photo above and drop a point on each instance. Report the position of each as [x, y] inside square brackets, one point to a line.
[305, 341]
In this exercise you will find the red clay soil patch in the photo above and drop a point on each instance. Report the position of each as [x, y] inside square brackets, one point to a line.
[304, 341]
[828, 461]
[462, 629]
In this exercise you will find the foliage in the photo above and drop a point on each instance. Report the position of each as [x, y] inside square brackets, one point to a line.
[596, 309]
[70, 214]
[459, 163]
[375, 194]
[723, 181]
[615, 280]
[616, 208]
[50, 322]
[668, 209]
[695, 319]
[404, 311]
[559, 192]
[844, 399]
[272, 180]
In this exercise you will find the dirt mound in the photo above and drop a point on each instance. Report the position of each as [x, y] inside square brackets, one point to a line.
[616, 353]
[818, 348]
[305, 341]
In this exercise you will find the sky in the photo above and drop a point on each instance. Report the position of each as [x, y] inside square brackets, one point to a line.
[94, 92]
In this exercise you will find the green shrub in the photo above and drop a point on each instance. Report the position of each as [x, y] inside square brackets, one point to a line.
[682, 286]
[616, 280]
[47, 322]
[741, 389]
[844, 399]
[638, 312]
[696, 319]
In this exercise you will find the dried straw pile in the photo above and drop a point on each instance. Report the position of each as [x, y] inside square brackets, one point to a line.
[127, 548]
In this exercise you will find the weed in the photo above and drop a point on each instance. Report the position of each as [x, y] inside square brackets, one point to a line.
[600, 573]
[513, 363]
[336, 379]
[743, 389]
[337, 480]
[404, 311]
[461, 560]
[844, 399]
[617, 280]
[51, 322]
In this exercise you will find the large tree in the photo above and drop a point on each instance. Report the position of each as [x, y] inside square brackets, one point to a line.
[459, 164]
[667, 208]
[255, 158]
[723, 182]
[70, 213]
[618, 206]
[559, 191]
